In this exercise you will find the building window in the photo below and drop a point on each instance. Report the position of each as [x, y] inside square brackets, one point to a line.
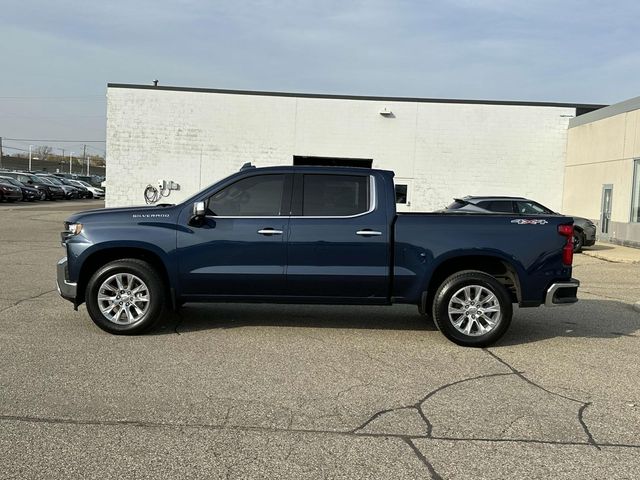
[635, 203]
[401, 194]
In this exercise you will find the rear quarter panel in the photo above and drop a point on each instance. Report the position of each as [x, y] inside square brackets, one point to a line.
[425, 241]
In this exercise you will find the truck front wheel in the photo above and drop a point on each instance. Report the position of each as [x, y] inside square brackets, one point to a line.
[473, 309]
[125, 297]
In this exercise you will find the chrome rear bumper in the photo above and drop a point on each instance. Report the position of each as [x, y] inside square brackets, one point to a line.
[562, 293]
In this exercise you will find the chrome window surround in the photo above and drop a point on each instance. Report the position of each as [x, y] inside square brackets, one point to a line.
[373, 201]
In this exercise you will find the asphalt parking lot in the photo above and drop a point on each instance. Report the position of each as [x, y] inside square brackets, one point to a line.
[255, 391]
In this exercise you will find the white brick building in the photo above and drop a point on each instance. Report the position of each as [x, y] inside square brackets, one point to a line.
[439, 148]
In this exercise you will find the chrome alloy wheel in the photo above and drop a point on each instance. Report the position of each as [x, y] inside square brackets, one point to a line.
[474, 310]
[123, 299]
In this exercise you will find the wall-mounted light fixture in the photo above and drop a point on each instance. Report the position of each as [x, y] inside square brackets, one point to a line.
[385, 112]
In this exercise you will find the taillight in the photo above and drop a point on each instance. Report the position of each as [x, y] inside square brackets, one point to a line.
[566, 230]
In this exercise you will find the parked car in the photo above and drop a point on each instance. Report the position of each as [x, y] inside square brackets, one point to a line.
[9, 192]
[584, 229]
[83, 192]
[95, 192]
[28, 193]
[314, 235]
[51, 192]
[69, 191]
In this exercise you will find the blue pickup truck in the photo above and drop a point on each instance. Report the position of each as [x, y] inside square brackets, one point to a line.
[317, 235]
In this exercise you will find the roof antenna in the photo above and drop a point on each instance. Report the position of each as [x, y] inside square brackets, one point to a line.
[155, 83]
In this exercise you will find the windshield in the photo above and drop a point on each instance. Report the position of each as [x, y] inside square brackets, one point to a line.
[53, 180]
[44, 180]
[82, 182]
[34, 179]
[12, 181]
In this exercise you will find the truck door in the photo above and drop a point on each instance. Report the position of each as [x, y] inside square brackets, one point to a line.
[338, 244]
[240, 247]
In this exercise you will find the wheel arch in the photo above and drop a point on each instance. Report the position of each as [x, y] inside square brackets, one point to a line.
[500, 268]
[98, 258]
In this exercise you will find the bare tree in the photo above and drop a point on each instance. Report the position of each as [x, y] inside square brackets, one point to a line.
[43, 152]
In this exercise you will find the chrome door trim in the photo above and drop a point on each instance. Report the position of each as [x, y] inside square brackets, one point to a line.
[373, 202]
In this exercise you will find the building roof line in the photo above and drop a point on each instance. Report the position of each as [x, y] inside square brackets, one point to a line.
[606, 112]
[587, 106]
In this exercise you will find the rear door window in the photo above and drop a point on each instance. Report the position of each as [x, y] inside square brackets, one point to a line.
[335, 195]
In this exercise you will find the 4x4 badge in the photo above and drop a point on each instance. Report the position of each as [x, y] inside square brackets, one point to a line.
[524, 221]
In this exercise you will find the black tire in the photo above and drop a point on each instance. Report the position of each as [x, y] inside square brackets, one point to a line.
[454, 284]
[578, 242]
[155, 287]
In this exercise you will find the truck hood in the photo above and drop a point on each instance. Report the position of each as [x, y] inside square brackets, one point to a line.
[155, 212]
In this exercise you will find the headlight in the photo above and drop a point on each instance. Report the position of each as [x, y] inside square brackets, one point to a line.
[74, 228]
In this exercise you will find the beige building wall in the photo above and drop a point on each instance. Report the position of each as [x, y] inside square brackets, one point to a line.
[602, 152]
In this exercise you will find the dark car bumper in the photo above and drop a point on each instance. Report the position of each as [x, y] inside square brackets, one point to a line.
[66, 289]
[12, 195]
[56, 194]
[589, 236]
[71, 194]
[30, 194]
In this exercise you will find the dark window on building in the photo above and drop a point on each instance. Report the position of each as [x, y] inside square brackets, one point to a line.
[256, 196]
[635, 202]
[332, 161]
[335, 195]
[401, 194]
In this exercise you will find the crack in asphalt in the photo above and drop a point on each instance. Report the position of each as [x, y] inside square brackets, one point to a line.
[418, 453]
[408, 439]
[584, 405]
[249, 428]
[418, 405]
[22, 300]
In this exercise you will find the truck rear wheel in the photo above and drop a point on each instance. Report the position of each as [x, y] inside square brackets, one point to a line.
[473, 309]
[125, 297]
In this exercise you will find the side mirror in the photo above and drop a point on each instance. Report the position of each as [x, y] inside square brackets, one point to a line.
[198, 209]
[197, 213]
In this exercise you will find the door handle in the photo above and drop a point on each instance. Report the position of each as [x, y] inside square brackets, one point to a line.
[368, 233]
[269, 231]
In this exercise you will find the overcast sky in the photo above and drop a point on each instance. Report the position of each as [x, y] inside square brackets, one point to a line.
[58, 56]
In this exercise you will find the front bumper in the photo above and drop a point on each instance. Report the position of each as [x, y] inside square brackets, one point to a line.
[589, 236]
[66, 289]
[30, 195]
[562, 293]
[12, 195]
[56, 194]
